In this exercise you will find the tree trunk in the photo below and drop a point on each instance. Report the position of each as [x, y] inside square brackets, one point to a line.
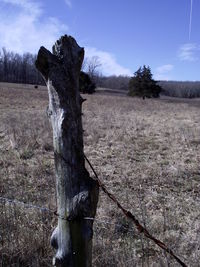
[77, 193]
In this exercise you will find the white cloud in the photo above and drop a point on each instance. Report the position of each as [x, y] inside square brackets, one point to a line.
[109, 65]
[27, 30]
[29, 6]
[163, 72]
[165, 68]
[69, 3]
[189, 52]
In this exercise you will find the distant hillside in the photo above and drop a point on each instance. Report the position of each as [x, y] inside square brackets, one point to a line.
[104, 91]
[183, 89]
[186, 89]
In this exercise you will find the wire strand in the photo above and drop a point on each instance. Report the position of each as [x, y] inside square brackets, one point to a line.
[129, 215]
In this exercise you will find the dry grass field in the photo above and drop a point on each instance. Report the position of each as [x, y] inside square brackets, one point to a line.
[147, 152]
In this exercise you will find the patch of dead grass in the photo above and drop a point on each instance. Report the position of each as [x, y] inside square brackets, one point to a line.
[146, 153]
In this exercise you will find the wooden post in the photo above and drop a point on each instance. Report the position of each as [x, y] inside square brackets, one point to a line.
[77, 193]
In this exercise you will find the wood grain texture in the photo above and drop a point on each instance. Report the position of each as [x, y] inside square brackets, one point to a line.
[77, 193]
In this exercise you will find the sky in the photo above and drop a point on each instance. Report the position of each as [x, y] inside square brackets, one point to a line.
[123, 34]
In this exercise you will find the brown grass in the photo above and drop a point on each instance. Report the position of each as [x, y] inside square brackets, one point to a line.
[146, 152]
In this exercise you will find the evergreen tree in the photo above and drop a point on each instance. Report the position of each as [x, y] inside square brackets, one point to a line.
[143, 85]
[86, 86]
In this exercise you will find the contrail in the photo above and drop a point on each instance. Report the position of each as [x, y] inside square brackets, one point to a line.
[190, 24]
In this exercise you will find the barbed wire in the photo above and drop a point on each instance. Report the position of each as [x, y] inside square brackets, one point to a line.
[31, 206]
[141, 229]
[26, 205]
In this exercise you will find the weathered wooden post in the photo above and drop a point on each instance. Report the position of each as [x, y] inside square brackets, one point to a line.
[77, 193]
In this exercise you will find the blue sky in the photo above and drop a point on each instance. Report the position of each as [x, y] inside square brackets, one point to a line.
[123, 34]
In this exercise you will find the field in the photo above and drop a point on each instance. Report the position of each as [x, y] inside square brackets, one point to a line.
[146, 152]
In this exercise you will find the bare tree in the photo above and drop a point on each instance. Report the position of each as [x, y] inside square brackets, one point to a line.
[114, 82]
[186, 89]
[91, 67]
[18, 68]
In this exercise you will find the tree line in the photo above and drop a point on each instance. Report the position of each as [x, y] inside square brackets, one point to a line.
[186, 89]
[16, 68]
[20, 68]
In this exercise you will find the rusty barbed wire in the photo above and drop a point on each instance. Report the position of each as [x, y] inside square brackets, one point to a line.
[141, 229]
[128, 214]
